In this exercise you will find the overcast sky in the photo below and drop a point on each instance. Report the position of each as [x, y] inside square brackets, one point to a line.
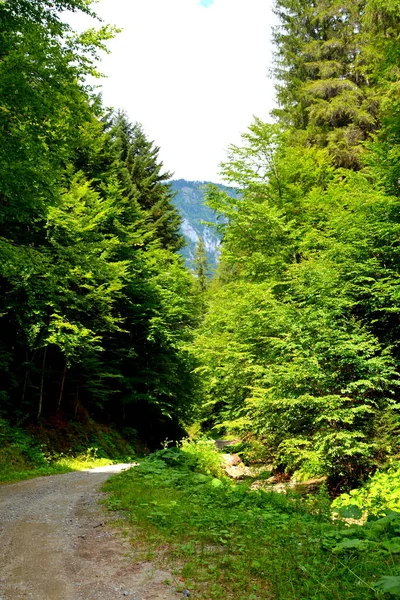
[193, 72]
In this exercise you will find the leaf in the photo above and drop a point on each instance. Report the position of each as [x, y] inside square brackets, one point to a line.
[350, 512]
[200, 478]
[216, 482]
[349, 544]
[388, 584]
[392, 546]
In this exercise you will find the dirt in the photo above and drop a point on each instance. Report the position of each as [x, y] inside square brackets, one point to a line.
[58, 543]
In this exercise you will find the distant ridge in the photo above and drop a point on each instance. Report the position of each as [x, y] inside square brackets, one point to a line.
[189, 200]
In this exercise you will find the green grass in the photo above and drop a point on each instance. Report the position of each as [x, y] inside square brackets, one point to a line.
[64, 464]
[10, 476]
[24, 455]
[223, 540]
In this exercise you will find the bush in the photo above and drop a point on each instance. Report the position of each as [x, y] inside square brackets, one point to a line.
[208, 459]
[379, 494]
[199, 455]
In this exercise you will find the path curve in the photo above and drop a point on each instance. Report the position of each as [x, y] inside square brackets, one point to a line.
[55, 544]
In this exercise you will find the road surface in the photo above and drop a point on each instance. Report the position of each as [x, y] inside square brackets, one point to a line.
[56, 543]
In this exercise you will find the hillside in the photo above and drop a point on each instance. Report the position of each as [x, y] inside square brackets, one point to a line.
[189, 200]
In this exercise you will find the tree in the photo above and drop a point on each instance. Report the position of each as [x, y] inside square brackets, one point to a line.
[44, 105]
[143, 179]
[296, 349]
[384, 159]
[327, 57]
[200, 265]
[96, 308]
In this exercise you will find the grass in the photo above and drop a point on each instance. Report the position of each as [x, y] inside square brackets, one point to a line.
[223, 540]
[24, 455]
[63, 464]
[87, 460]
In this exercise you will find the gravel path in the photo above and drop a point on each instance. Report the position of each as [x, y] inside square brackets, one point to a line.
[55, 544]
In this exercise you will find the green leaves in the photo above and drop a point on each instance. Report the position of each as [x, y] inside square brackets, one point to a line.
[351, 544]
[296, 350]
[388, 584]
[95, 306]
[352, 511]
[378, 495]
[332, 83]
[269, 543]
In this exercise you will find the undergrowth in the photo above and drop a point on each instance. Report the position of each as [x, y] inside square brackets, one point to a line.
[51, 450]
[224, 540]
[381, 492]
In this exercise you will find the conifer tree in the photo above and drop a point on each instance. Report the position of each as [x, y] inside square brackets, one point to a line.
[200, 265]
[326, 59]
[143, 179]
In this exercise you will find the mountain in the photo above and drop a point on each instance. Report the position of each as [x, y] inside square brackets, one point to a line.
[189, 200]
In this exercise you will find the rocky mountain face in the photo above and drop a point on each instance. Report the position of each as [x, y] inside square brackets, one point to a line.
[189, 200]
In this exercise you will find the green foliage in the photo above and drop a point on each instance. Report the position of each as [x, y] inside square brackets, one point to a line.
[95, 306]
[388, 584]
[58, 446]
[298, 346]
[43, 105]
[227, 540]
[207, 458]
[380, 493]
[200, 455]
[331, 67]
[201, 266]
[18, 451]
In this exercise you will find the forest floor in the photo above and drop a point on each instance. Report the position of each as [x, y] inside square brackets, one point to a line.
[57, 543]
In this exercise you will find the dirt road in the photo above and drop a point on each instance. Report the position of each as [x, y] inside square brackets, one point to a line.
[55, 544]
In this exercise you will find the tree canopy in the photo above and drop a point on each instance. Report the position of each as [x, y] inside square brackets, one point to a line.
[95, 303]
[298, 349]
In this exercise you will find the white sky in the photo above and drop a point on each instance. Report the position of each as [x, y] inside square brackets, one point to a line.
[193, 72]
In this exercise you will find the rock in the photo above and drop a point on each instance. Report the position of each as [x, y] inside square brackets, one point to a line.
[233, 460]
[234, 467]
[224, 443]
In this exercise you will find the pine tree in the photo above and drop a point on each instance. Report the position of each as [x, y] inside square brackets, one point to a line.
[143, 179]
[200, 265]
[326, 62]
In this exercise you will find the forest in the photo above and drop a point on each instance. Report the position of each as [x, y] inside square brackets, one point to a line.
[293, 346]
[95, 305]
[289, 349]
[299, 347]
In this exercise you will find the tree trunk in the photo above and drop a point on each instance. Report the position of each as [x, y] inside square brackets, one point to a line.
[42, 384]
[64, 374]
[25, 382]
[76, 400]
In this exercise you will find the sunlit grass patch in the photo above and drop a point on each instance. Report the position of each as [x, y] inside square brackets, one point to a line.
[24, 455]
[10, 476]
[85, 460]
[12, 472]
